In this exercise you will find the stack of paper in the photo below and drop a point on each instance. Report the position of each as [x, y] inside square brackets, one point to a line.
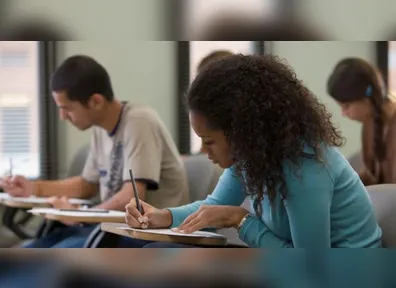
[172, 233]
[77, 213]
[41, 200]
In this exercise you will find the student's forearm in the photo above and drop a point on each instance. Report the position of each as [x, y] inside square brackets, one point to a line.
[123, 197]
[117, 202]
[75, 187]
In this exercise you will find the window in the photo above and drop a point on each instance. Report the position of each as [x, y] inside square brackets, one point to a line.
[24, 108]
[9, 59]
[196, 14]
[392, 67]
[16, 139]
[190, 54]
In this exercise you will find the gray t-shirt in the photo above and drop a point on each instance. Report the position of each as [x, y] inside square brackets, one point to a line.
[141, 142]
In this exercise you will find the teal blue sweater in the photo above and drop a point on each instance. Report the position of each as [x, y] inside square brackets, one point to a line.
[326, 206]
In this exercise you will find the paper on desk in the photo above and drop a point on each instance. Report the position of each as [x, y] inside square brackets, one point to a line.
[41, 200]
[172, 233]
[81, 213]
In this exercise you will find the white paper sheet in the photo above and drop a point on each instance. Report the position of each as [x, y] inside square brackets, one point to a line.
[80, 213]
[41, 200]
[172, 233]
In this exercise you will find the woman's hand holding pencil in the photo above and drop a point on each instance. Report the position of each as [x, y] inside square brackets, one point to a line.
[151, 218]
[142, 215]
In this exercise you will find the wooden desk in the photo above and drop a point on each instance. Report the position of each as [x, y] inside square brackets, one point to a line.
[31, 202]
[3, 196]
[81, 216]
[23, 205]
[202, 241]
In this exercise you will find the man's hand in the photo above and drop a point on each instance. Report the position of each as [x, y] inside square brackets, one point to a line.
[17, 186]
[63, 203]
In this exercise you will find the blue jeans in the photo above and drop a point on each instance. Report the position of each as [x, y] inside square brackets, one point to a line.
[65, 237]
[75, 237]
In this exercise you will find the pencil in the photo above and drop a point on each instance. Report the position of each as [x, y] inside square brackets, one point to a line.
[135, 191]
[85, 210]
[11, 167]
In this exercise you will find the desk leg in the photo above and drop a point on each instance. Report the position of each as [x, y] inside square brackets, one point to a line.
[91, 238]
[9, 222]
[101, 239]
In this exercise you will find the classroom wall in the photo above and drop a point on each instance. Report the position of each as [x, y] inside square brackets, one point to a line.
[144, 71]
[141, 71]
[313, 62]
[95, 19]
[155, 84]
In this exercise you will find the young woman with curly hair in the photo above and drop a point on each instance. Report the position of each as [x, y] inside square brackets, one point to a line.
[360, 91]
[277, 144]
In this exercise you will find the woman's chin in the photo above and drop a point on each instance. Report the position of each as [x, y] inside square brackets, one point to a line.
[222, 164]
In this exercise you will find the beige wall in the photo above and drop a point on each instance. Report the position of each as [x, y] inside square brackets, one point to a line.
[96, 19]
[313, 62]
[154, 84]
[145, 72]
[141, 71]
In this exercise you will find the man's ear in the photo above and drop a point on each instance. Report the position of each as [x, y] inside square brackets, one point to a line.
[96, 101]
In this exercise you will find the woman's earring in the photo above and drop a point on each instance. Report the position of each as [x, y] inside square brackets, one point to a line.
[369, 90]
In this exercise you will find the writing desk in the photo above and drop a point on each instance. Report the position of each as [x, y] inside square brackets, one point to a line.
[79, 216]
[123, 230]
[30, 202]
[13, 205]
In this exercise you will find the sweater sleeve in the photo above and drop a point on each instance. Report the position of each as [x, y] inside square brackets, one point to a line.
[228, 191]
[308, 208]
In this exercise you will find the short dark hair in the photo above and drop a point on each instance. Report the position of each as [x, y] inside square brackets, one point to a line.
[211, 57]
[231, 28]
[80, 77]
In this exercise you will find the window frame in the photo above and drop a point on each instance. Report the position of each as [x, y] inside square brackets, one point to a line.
[48, 126]
[382, 58]
[183, 81]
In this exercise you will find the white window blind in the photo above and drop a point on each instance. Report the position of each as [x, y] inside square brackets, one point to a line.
[19, 108]
[392, 67]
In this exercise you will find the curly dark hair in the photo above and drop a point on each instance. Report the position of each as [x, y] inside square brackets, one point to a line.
[267, 115]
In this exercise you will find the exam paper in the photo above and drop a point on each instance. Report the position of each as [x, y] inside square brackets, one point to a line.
[41, 200]
[172, 233]
[80, 213]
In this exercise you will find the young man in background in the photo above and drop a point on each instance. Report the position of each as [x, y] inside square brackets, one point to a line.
[125, 136]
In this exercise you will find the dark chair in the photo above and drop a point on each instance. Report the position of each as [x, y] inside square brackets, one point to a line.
[383, 198]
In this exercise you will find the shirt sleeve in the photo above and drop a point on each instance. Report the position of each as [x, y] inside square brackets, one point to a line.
[142, 152]
[228, 191]
[91, 170]
[308, 208]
